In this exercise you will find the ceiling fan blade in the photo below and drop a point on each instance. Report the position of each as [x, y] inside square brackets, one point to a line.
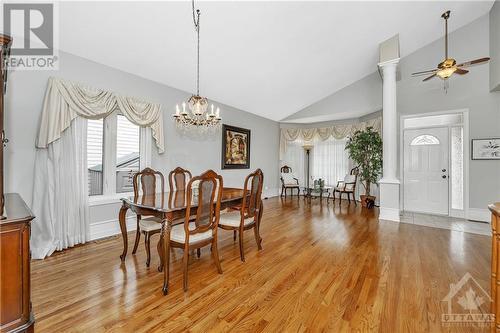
[424, 72]
[474, 62]
[461, 71]
[428, 78]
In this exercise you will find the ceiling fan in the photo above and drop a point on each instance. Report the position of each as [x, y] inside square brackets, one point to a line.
[449, 66]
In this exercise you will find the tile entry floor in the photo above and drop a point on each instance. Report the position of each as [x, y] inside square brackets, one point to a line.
[446, 222]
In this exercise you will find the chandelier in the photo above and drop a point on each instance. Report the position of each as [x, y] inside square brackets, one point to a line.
[198, 115]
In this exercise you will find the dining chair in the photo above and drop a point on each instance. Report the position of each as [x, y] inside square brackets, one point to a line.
[199, 229]
[348, 186]
[148, 226]
[288, 181]
[178, 179]
[250, 212]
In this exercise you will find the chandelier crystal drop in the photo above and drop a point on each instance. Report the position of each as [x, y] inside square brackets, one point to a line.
[198, 116]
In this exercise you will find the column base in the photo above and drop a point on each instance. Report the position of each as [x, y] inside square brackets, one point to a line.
[389, 200]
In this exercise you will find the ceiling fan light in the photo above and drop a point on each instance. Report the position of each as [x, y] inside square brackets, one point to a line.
[446, 72]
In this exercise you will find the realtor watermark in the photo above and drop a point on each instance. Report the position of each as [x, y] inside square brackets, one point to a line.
[34, 30]
[467, 305]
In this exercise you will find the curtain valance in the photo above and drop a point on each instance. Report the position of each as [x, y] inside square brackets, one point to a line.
[340, 131]
[65, 100]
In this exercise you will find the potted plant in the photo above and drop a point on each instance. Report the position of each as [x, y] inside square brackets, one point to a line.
[365, 149]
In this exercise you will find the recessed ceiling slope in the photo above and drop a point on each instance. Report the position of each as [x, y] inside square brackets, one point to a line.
[268, 58]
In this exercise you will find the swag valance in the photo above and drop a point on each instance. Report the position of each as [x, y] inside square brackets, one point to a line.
[339, 131]
[65, 100]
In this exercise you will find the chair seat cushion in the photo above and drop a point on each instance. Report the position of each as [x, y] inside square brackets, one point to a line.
[291, 185]
[177, 234]
[150, 224]
[343, 188]
[232, 219]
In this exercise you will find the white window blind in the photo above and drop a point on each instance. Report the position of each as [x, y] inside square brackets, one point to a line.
[95, 132]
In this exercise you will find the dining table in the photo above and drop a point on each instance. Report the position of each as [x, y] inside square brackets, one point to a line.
[170, 209]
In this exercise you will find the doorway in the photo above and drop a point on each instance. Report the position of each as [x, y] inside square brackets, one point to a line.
[434, 163]
[426, 178]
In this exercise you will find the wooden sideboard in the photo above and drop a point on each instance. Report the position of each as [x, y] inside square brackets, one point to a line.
[16, 314]
[495, 264]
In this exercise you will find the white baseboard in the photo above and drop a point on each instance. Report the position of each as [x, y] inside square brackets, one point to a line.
[109, 228]
[270, 192]
[479, 214]
[389, 214]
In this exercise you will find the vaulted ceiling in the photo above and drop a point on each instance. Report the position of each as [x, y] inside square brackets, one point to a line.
[268, 58]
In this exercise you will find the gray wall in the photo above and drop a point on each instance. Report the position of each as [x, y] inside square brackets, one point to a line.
[358, 99]
[471, 91]
[24, 101]
[495, 47]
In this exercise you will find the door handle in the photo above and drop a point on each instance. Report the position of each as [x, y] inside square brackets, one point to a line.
[444, 170]
[443, 176]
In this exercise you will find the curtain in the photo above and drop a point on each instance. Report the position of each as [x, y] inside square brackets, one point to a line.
[340, 131]
[296, 159]
[60, 198]
[60, 194]
[65, 101]
[330, 160]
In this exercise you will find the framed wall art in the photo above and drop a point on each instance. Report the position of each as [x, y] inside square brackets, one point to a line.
[235, 147]
[486, 149]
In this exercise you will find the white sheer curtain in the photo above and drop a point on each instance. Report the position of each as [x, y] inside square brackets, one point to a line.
[295, 158]
[60, 198]
[330, 160]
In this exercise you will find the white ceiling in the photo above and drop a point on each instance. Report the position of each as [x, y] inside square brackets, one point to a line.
[268, 58]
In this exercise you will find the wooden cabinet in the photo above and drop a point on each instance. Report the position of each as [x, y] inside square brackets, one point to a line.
[15, 291]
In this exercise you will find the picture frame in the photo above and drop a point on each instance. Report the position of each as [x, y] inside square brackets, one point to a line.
[235, 147]
[485, 149]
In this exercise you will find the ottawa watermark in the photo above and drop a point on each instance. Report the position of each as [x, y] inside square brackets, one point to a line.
[34, 31]
[467, 305]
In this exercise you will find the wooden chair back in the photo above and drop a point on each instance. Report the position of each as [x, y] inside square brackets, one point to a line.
[252, 199]
[286, 169]
[208, 199]
[147, 179]
[178, 178]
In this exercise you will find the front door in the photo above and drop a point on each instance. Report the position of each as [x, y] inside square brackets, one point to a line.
[426, 170]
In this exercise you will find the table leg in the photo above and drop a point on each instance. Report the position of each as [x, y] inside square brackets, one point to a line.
[123, 227]
[165, 236]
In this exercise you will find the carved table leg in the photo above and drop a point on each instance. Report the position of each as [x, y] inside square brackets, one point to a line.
[159, 247]
[165, 235]
[123, 228]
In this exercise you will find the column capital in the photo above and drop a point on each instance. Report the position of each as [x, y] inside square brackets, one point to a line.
[389, 63]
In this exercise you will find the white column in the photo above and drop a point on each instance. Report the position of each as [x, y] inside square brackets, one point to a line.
[389, 184]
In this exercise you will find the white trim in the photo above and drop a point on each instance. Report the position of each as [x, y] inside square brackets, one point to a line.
[99, 200]
[388, 62]
[109, 228]
[479, 214]
[389, 214]
[466, 154]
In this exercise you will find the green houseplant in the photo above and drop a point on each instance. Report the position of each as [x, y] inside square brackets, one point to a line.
[365, 149]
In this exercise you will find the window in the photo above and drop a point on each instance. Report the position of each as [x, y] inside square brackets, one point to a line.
[457, 168]
[330, 160]
[425, 139]
[116, 150]
[127, 154]
[295, 158]
[95, 140]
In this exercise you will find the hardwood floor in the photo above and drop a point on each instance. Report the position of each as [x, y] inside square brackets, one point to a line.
[321, 269]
